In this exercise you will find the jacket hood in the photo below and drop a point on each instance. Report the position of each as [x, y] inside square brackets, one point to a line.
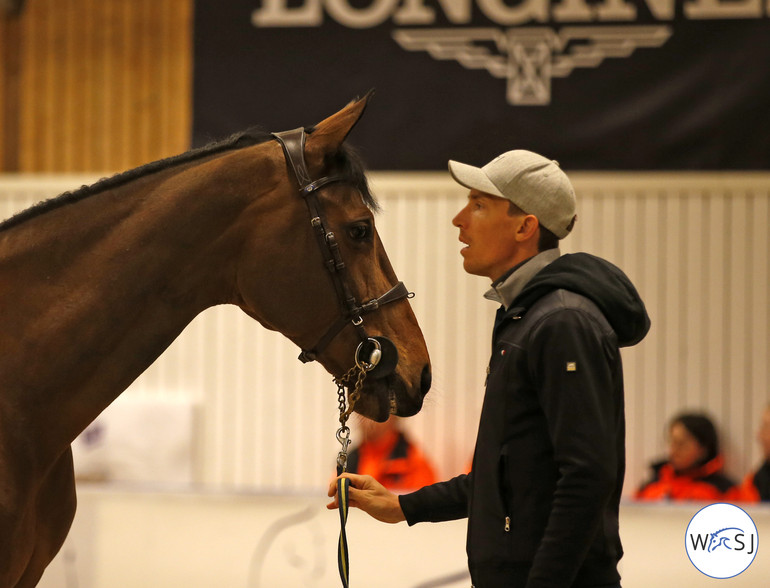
[601, 282]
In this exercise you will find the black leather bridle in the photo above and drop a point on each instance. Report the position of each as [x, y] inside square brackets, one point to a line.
[377, 355]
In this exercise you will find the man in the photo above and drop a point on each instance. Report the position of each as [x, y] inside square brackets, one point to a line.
[542, 497]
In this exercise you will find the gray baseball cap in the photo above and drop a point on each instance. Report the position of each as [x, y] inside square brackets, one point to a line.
[535, 184]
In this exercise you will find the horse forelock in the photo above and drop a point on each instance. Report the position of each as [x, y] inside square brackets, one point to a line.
[349, 164]
[236, 141]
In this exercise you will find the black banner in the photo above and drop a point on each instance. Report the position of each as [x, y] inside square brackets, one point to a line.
[612, 85]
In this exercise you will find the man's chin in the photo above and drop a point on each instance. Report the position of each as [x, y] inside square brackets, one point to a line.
[472, 268]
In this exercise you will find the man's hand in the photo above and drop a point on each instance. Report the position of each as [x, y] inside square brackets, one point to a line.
[371, 497]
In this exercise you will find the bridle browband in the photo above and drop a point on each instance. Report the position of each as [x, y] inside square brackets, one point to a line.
[293, 143]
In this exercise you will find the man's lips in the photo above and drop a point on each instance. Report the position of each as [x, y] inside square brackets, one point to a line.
[464, 242]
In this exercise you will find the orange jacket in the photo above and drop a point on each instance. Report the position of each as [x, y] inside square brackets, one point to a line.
[393, 461]
[706, 482]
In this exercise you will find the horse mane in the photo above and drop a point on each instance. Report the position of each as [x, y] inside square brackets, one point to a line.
[346, 161]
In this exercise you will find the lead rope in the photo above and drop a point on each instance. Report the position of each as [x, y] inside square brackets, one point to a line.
[343, 484]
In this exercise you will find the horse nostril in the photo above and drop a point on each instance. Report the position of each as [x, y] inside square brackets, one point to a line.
[425, 380]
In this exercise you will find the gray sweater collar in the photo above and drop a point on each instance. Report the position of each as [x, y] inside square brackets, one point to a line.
[509, 286]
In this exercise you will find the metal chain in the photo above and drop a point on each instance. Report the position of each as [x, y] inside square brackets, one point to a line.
[343, 433]
[354, 395]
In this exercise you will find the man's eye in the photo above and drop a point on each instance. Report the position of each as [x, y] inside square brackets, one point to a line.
[359, 232]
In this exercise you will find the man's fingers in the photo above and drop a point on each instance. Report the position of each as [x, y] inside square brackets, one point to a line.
[360, 481]
[359, 485]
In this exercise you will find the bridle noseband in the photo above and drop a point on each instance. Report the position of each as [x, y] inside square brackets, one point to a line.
[372, 351]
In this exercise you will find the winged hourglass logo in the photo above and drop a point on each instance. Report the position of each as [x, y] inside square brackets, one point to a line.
[528, 57]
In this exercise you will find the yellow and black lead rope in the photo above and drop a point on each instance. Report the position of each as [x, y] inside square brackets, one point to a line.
[343, 484]
[343, 563]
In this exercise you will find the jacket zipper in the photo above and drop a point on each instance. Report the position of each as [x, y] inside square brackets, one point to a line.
[504, 494]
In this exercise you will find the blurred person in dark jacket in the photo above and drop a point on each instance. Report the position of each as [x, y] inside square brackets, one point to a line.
[756, 485]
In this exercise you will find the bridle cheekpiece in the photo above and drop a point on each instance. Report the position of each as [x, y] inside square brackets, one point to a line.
[372, 350]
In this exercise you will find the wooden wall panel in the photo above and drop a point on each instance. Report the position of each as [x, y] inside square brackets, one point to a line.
[105, 85]
[3, 87]
[9, 91]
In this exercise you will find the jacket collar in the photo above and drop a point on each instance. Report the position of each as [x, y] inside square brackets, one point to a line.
[505, 289]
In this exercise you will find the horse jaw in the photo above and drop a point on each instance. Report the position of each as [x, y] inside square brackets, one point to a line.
[388, 396]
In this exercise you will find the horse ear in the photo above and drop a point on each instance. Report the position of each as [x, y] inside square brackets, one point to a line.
[328, 135]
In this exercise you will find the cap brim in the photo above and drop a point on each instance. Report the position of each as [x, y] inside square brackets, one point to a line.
[473, 178]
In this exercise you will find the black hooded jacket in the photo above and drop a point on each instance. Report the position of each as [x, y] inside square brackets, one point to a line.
[543, 495]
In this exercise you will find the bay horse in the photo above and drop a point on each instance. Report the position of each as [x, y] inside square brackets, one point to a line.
[96, 283]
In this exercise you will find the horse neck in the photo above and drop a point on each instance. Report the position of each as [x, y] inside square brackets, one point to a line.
[98, 289]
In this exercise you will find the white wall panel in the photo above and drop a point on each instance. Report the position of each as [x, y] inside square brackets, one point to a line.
[696, 245]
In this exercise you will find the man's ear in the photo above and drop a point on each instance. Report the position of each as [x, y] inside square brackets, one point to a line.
[528, 229]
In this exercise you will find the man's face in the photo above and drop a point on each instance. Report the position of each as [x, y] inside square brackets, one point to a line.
[489, 234]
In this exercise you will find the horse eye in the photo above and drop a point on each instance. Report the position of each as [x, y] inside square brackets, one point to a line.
[359, 232]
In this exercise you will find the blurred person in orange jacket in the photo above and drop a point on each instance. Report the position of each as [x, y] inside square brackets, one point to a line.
[693, 470]
[756, 485]
[387, 454]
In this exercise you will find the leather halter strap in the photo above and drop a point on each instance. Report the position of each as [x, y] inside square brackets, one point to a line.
[395, 293]
[293, 143]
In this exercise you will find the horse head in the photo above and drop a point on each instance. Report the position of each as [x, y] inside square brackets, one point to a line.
[720, 541]
[334, 292]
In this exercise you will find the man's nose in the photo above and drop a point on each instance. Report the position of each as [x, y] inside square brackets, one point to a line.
[458, 219]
